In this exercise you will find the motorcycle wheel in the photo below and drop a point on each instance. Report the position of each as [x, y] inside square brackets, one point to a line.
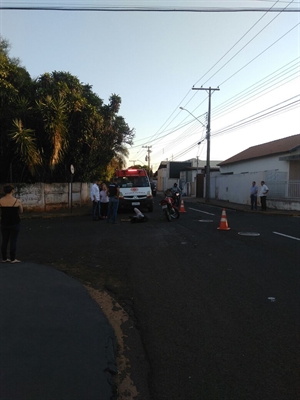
[175, 214]
[168, 216]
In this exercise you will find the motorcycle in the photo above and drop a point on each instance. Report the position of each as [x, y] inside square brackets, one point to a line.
[169, 207]
[176, 198]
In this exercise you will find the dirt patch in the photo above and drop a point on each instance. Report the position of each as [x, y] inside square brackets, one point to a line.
[117, 317]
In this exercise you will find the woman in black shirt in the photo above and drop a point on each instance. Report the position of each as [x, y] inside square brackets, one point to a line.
[10, 223]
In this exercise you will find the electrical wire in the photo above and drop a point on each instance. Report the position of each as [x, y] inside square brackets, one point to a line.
[257, 86]
[232, 47]
[272, 20]
[271, 45]
[267, 113]
[10, 5]
[276, 111]
[238, 52]
[256, 96]
[260, 115]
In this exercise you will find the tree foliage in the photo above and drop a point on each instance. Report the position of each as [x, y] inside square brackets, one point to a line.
[55, 121]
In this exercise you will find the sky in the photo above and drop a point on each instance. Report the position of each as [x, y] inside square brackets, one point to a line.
[155, 58]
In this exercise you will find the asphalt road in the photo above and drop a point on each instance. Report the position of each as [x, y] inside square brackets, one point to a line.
[217, 311]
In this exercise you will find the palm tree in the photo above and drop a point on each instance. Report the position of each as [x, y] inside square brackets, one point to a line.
[25, 147]
[121, 153]
[54, 114]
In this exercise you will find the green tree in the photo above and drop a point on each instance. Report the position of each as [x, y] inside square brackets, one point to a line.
[25, 148]
[55, 121]
[55, 118]
[15, 83]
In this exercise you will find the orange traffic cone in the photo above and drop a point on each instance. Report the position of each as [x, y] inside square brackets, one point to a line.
[182, 209]
[223, 223]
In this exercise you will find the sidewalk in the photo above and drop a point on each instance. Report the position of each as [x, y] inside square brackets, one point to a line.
[55, 342]
[240, 207]
[236, 206]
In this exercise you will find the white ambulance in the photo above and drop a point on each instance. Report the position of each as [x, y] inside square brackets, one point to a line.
[135, 189]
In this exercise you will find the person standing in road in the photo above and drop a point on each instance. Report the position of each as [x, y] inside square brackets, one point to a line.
[95, 197]
[263, 195]
[103, 201]
[10, 223]
[113, 196]
[253, 195]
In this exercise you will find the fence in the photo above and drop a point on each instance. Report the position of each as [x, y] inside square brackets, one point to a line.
[284, 190]
[235, 188]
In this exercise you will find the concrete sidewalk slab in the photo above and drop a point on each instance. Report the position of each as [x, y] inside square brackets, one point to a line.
[55, 342]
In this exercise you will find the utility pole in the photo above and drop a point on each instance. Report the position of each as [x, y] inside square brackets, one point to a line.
[207, 180]
[148, 156]
[133, 161]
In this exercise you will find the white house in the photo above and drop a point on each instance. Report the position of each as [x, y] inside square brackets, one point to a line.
[169, 172]
[277, 163]
[184, 173]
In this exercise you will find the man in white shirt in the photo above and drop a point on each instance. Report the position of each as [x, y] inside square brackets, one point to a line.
[263, 195]
[95, 197]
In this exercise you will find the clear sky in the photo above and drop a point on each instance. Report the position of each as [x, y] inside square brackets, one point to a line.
[153, 60]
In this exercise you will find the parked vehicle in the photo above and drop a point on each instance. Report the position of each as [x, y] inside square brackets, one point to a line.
[153, 188]
[135, 189]
[170, 209]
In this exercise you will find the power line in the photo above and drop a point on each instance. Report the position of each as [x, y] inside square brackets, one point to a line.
[252, 95]
[231, 59]
[258, 116]
[272, 20]
[175, 142]
[232, 47]
[242, 104]
[171, 9]
[259, 84]
[267, 113]
[226, 80]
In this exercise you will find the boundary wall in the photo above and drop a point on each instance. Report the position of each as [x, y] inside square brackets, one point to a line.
[235, 188]
[51, 196]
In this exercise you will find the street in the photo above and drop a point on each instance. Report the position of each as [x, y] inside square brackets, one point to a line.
[217, 311]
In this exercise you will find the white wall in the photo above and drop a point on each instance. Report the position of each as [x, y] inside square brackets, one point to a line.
[236, 189]
[162, 179]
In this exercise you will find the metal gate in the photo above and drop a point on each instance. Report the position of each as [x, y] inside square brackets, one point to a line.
[200, 186]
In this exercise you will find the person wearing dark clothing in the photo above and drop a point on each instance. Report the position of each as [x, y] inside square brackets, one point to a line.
[113, 204]
[253, 195]
[10, 223]
[176, 194]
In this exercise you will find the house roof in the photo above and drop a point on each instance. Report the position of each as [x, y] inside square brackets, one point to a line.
[163, 164]
[200, 168]
[279, 146]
